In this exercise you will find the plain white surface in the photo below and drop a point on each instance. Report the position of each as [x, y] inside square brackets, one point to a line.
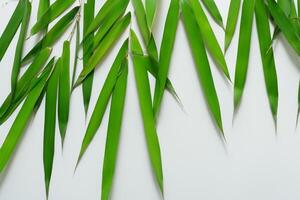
[257, 163]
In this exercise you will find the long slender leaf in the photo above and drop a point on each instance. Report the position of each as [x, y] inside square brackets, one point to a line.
[57, 8]
[243, 50]
[214, 11]
[144, 94]
[11, 28]
[202, 64]
[209, 37]
[49, 124]
[64, 91]
[141, 19]
[232, 19]
[43, 7]
[166, 49]
[89, 9]
[113, 133]
[19, 48]
[19, 125]
[77, 49]
[264, 36]
[150, 7]
[104, 47]
[103, 98]
[53, 35]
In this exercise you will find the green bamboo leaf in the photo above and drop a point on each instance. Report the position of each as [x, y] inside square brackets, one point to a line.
[43, 7]
[285, 25]
[64, 91]
[77, 49]
[144, 94]
[23, 88]
[150, 7]
[19, 48]
[50, 123]
[89, 10]
[53, 35]
[106, 10]
[104, 47]
[243, 50]
[11, 28]
[264, 36]
[141, 19]
[214, 11]
[166, 50]
[231, 21]
[113, 133]
[19, 125]
[103, 98]
[56, 9]
[209, 37]
[298, 7]
[25, 80]
[202, 64]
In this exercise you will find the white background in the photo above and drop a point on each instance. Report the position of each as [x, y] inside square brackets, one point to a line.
[257, 163]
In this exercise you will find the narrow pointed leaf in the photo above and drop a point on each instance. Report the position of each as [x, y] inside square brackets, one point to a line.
[150, 7]
[49, 124]
[77, 49]
[243, 50]
[11, 28]
[141, 19]
[19, 48]
[103, 98]
[19, 125]
[57, 8]
[89, 9]
[214, 11]
[64, 91]
[264, 36]
[166, 50]
[209, 37]
[144, 94]
[104, 48]
[43, 7]
[53, 35]
[113, 133]
[232, 19]
[202, 64]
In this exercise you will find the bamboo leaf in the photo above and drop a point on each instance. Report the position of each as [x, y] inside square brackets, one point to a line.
[286, 26]
[202, 64]
[243, 50]
[77, 49]
[103, 98]
[43, 7]
[150, 7]
[214, 11]
[105, 11]
[231, 21]
[143, 89]
[104, 47]
[264, 36]
[11, 28]
[141, 19]
[53, 35]
[166, 53]
[89, 9]
[209, 37]
[64, 91]
[50, 123]
[19, 48]
[19, 125]
[113, 133]
[57, 8]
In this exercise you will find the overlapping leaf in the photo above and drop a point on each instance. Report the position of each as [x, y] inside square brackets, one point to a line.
[232, 19]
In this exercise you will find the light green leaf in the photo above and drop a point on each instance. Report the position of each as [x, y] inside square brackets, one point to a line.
[141, 19]
[104, 48]
[202, 64]
[64, 91]
[150, 7]
[232, 19]
[144, 94]
[57, 8]
[103, 98]
[113, 133]
[243, 50]
[166, 50]
[43, 7]
[214, 11]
